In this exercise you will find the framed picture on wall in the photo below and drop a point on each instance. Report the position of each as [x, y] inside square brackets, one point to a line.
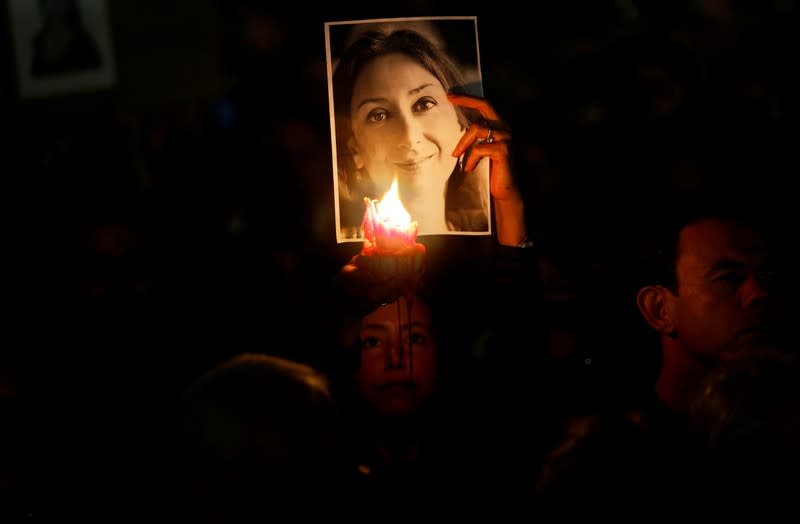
[61, 46]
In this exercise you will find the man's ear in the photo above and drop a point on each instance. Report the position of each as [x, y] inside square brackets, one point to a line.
[653, 302]
[353, 147]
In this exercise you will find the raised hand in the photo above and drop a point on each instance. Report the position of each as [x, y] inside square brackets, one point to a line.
[489, 138]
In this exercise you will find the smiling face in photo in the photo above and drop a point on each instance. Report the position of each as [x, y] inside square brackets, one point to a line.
[403, 126]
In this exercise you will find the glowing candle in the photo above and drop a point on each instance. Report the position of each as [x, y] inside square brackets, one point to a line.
[390, 238]
[387, 226]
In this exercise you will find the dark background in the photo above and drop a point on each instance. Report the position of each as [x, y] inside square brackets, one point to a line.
[186, 214]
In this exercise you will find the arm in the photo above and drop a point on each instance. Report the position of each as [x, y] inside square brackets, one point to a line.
[508, 205]
[518, 288]
[514, 366]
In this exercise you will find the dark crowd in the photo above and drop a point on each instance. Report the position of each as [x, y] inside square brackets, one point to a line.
[189, 342]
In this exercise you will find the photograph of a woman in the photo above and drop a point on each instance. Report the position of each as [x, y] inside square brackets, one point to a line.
[392, 122]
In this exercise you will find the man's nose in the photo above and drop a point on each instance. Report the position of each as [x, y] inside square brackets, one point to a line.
[753, 291]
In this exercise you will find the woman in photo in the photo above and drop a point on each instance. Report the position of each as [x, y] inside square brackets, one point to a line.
[394, 122]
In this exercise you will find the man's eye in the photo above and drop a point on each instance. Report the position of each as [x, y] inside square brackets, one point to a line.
[768, 275]
[730, 277]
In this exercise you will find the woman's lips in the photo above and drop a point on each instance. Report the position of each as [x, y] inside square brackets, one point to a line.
[399, 385]
[412, 165]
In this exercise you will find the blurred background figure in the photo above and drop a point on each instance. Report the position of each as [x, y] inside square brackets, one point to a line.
[261, 437]
[746, 416]
[607, 463]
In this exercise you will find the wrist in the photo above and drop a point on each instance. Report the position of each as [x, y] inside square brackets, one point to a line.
[525, 244]
[511, 224]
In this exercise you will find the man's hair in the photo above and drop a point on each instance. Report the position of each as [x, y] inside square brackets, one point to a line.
[656, 252]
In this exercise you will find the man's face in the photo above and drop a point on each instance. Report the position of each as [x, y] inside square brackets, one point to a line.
[725, 281]
[398, 357]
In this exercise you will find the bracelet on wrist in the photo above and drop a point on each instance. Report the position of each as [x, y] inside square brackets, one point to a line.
[525, 244]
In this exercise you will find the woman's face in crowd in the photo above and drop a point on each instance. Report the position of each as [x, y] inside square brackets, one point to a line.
[398, 357]
[403, 125]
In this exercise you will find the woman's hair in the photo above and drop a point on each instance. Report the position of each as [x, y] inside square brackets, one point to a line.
[430, 288]
[353, 186]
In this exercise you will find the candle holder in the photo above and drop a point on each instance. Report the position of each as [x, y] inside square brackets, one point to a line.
[408, 262]
[390, 249]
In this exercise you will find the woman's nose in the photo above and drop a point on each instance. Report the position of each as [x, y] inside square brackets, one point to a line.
[410, 131]
[395, 355]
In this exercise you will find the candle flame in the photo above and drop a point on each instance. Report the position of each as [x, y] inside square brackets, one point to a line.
[391, 209]
[387, 225]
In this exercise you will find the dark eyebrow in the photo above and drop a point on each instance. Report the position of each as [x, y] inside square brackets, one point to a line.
[381, 99]
[418, 89]
[382, 327]
[375, 325]
[415, 324]
[728, 263]
[370, 101]
[725, 263]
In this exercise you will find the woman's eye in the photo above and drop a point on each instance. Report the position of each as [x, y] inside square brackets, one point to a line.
[417, 338]
[377, 115]
[424, 104]
[370, 342]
